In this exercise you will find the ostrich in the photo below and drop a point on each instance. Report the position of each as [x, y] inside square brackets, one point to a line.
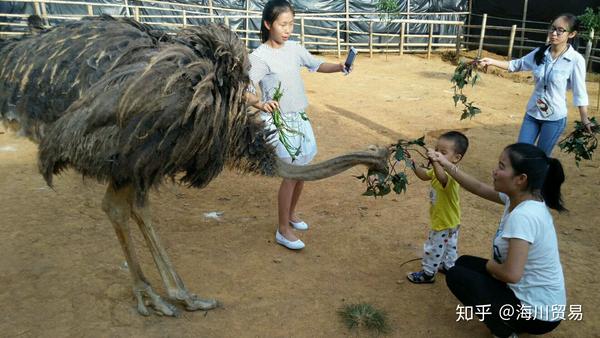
[130, 106]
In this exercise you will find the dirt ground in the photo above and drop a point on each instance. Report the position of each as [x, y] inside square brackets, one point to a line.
[62, 272]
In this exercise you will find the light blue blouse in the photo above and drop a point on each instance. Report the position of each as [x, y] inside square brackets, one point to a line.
[568, 72]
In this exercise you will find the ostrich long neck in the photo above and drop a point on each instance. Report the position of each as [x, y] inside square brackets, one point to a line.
[331, 167]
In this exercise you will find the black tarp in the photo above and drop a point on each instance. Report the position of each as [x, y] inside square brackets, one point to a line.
[300, 6]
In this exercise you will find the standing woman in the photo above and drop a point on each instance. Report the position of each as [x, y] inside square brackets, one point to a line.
[556, 68]
[524, 273]
[277, 62]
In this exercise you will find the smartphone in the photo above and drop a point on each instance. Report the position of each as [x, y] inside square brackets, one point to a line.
[350, 59]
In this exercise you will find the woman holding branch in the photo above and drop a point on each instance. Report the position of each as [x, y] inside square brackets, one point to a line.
[275, 66]
[556, 68]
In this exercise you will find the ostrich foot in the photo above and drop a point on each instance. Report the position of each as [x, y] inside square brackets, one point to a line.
[146, 297]
[192, 302]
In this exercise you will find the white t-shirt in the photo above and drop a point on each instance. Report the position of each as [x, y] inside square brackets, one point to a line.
[542, 286]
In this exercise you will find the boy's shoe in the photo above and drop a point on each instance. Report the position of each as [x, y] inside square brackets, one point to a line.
[443, 270]
[420, 277]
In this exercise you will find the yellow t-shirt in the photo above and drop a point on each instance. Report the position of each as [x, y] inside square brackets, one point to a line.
[445, 203]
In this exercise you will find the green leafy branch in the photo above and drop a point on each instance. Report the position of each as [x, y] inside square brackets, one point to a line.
[590, 19]
[283, 129]
[465, 73]
[381, 183]
[580, 142]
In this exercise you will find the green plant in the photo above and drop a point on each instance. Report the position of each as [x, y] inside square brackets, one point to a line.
[283, 129]
[364, 315]
[590, 19]
[580, 142]
[465, 73]
[381, 183]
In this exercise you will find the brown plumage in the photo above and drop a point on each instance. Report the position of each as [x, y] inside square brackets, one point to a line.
[129, 106]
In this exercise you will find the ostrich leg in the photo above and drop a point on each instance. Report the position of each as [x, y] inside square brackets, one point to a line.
[117, 205]
[174, 284]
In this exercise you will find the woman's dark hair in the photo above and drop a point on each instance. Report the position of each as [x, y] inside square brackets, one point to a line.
[574, 25]
[545, 174]
[270, 13]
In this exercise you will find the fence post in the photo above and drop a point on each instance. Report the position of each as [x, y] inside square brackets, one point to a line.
[459, 30]
[511, 41]
[468, 37]
[210, 10]
[523, 27]
[482, 35]
[36, 8]
[302, 31]
[430, 40]
[136, 13]
[247, 23]
[588, 49]
[226, 19]
[90, 10]
[371, 39]
[44, 13]
[127, 14]
[347, 9]
[184, 18]
[402, 27]
[337, 34]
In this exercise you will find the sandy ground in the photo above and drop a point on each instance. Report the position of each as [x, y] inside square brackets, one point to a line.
[62, 270]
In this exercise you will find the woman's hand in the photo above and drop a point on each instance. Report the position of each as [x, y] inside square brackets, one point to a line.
[587, 124]
[487, 62]
[269, 106]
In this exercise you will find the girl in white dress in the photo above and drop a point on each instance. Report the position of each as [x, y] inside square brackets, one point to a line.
[278, 61]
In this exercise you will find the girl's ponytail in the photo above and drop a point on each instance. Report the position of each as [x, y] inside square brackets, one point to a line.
[551, 188]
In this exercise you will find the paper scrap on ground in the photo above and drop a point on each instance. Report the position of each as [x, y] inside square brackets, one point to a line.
[8, 149]
[213, 214]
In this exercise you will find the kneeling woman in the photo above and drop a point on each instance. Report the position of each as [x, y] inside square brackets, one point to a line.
[525, 273]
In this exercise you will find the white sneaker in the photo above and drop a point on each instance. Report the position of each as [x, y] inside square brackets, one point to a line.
[302, 226]
[295, 245]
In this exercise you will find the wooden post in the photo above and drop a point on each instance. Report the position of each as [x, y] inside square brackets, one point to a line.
[511, 41]
[44, 13]
[136, 13]
[469, 22]
[127, 14]
[402, 27]
[371, 39]
[227, 22]
[302, 31]
[459, 30]
[429, 41]
[247, 23]
[588, 49]
[36, 8]
[407, 18]
[90, 10]
[482, 35]
[183, 18]
[211, 10]
[347, 9]
[523, 27]
[337, 34]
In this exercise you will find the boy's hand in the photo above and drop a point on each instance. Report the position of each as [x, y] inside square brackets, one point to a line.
[431, 154]
[441, 159]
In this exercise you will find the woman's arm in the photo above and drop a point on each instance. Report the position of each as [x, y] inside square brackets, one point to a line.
[494, 62]
[467, 181]
[330, 67]
[512, 269]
